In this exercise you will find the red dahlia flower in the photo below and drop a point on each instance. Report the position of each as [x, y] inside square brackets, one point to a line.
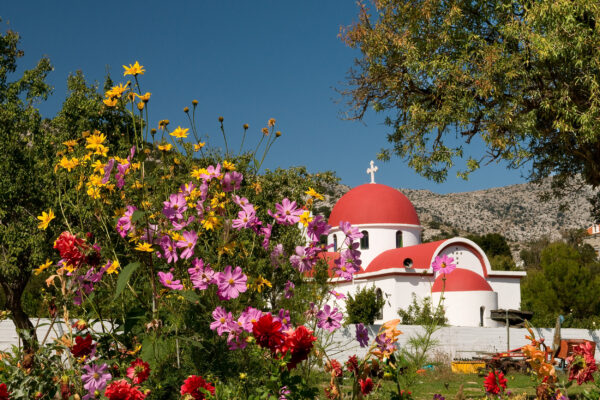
[122, 390]
[83, 346]
[334, 367]
[4, 393]
[582, 363]
[138, 371]
[299, 343]
[192, 385]
[352, 364]
[366, 385]
[70, 248]
[491, 385]
[267, 332]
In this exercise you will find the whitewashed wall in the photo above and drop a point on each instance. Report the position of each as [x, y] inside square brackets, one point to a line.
[462, 342]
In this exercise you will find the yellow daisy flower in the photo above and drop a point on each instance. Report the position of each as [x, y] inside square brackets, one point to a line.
[69, 164]
[114, 267]
[180, 132]
[165, 147]
[198, 146]
[42, 267]
[143, 246]
[45, 219]
[135, 69]
[313, 193]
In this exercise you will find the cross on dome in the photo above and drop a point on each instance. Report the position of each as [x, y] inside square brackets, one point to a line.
[372, 171]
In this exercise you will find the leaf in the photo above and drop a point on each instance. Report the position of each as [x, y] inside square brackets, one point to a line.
[190, 296]
[137, 215]
[124, 277]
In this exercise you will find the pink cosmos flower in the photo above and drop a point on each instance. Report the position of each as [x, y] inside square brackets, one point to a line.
[95, 379]
[201, 275]
[179, 225]
[287, 212]
[124, 223]
[285, 319]
[338, 295]
[231, 181]
[166, 279]
[289, 290]
[188, 243]
[443, 264]
[223, 321]
[329, 319]
[362, 335]
[266, 232]
[246, 219]
[241, 201]
[231, 283]
[351, 232]
[248, 317]
[107, 170]
[168, 247]
[304, 259]
[175, 207]
[317, 227]
[187, 188]
[276, 255]
[211, 172]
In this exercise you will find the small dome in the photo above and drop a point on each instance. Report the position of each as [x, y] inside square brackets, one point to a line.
[415, 257]
[374, 203]
[461, 280]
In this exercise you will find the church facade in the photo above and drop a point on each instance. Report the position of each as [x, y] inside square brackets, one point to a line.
[396, 262]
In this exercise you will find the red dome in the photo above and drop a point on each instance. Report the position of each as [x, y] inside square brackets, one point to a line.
[461, 280]
[417, 257]
[373, 203]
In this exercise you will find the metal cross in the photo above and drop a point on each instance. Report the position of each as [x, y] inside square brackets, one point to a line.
[372, 171]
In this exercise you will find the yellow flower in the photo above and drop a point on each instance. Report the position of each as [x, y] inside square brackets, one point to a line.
[143, 246]
[136, 165]
[162, 124]
[117, 91]
[98, 166]
[180, 133]
[45, 219]
[70, 144]
[176, 236]
[228, 166]
[85, 134]
[96, 180]
[137, 185]
[145, 97]
[260, 283]
[135, 69]
[42, 267]
[109, 102]
[265, 131]
[69, 164]
[119, 212]
[113, 267]
[94, 192]
[140, 105]
[271, 122]
[197, 172]
[101, 150]
[165, 147]
[313, 193]
[210, 221]
[305, 218]
[96, 140]
[198, 146]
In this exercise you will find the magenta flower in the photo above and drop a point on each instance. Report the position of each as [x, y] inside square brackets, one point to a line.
[289, 290]
[248, 317]
[317, 227]
[223, 321]
[351, 232]
[95, 379]
[348, 263]
[246, 219]
[107, 170]
[166, 279]
[362, 335]
[179, 225]
[187, 188]
[201, 275]
[241, 201]
[231, 283]
[175, 207]
[188, 243]
[304, 259]
[124, 223]
[231, 181]
[287, 212]
[329, 319]
[338, 295]
[285, 319]
[276, 255]
[385, 344]
[443, 264]
[120, 175]
[266, 232]
[211, 172]
[168, 247]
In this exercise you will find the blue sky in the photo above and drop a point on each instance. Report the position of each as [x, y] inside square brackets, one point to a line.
[247, 61]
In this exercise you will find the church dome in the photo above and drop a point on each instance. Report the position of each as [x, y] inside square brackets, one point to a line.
[373, 203]
[461, 280]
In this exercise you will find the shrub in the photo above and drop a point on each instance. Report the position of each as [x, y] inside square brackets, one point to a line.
[364, 306]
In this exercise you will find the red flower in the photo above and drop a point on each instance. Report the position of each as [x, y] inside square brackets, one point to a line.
[4, 394]
[352, 364]
[334, 367]
[83, 346]
[582, 363]
[490, 384]
[70, 248]
[122, 390]
[138, 371]
[299, 343]
[268, 332]
[366, 385]
[193, 383]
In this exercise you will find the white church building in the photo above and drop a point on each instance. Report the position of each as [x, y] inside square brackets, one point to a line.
[396, 262]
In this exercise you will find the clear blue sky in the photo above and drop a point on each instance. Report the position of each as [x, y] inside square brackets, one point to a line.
[247, 61]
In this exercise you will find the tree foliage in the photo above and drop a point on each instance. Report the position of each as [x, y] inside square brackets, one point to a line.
[522, 77]
[422, 312]
[364, 306]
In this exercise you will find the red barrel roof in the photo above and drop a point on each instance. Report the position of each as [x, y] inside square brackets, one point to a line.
[461, 280]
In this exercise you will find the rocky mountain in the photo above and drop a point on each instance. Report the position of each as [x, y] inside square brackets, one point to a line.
[514, 211]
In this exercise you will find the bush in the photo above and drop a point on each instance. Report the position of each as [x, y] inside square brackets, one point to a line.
[364, 307]
[420, 312]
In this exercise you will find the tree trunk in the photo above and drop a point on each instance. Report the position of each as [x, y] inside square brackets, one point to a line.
[25, 328]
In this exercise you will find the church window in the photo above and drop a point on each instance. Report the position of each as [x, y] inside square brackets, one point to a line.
[364, 241]
[398, 239]
[334, 242]
[379, 295]
[481, 312]
[408, 263]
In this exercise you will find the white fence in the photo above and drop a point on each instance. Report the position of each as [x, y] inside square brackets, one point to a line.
[457, 342]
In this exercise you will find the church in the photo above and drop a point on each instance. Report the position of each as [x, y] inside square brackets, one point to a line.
[396, 262]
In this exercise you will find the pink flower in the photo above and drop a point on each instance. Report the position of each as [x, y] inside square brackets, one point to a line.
[124, 223]
[211, 172]
[287, 212]
[223, 321]
[188, 243]
[289, 289]
[329, 319]
[443, 264]
[246, 219]
[304, 259]
[241, 201]
[338, 295]
[231, 283]
[166, 279]
[362, 335]
[351, 232]
[284, 318]
[175, 207]
[231, 181]
[168, 247]
[200, 275]
[249, 316]
[317, 227]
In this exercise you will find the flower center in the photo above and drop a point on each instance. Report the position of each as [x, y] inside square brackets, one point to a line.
[231, 281]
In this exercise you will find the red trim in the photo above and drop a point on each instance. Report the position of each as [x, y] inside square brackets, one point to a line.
[461, 280]
[419, 254]
[374, 203]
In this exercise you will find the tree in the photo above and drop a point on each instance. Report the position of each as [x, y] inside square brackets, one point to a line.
[522, 77]
[24, 179]
[364, 306]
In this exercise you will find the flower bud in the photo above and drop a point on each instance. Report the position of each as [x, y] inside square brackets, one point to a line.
[186, 110]
[195, 102]
[245, 126]
[220, 119]
[278, 133]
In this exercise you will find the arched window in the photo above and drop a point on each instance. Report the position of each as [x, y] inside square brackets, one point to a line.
[379, 296]
[398, 239]
[364, 241]
[481, 312]
[334, 242]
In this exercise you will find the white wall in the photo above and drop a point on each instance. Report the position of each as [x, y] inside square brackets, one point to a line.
[463, 257]
[463, 308]
[509, 291]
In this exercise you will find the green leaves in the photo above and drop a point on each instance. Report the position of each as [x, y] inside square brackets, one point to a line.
[124, 277]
